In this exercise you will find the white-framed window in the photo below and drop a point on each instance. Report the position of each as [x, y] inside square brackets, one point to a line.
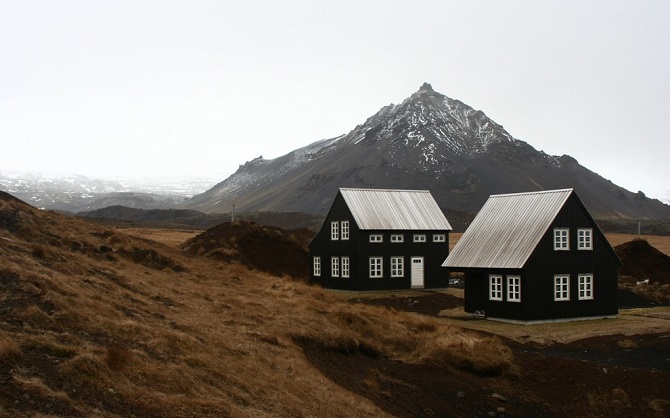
[561, 239]
[585, 286]
[334, 230]
[345, 266]
[316, 265]
[495, 287]
[439, 238]
[561, 287]
[397, 267]
[334, 266]
[344, 228]
[419, 238]
[376, 270]
[513, 288]
[396, 238]
[376, 238]
[585, 239]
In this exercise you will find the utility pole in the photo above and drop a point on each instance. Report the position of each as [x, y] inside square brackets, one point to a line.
[232, 218]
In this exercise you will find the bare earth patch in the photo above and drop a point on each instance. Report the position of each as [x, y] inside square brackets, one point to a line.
[602, 367]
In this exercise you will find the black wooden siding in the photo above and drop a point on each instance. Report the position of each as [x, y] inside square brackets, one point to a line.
[537, 276]
[359, 250]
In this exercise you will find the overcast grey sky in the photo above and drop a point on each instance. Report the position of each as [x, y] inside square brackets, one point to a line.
[194, 88]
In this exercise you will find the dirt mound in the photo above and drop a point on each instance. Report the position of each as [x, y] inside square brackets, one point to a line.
[263, 247]
[643, 262]
[427, 303]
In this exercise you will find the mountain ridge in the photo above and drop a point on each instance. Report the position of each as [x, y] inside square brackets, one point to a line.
[429, 141]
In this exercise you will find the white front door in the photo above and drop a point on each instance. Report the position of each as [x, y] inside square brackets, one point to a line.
[417, 272]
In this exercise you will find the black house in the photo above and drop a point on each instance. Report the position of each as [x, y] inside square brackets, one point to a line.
[536, 257]
[381, 239]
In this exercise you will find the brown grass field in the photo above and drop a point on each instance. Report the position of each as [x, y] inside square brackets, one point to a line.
[106, 322]
[176, 237]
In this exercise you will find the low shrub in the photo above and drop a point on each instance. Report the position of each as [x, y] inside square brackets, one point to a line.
[10, 352]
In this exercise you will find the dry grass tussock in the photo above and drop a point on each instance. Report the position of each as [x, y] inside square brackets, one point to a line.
[95, 322]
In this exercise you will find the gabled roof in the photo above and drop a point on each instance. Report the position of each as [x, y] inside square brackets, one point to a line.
[394, 209]
[507, 229]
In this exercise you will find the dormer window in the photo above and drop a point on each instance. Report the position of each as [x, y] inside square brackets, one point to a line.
[561, 239]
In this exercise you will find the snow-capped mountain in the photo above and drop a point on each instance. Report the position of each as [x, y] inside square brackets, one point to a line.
[429, 141]
[74, 193]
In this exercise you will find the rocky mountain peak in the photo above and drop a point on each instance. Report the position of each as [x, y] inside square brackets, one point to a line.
[433, 122]
[428, 141]
[426, 87]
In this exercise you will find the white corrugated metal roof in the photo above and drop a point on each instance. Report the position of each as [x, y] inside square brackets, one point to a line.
[395, 209]
[507, 229]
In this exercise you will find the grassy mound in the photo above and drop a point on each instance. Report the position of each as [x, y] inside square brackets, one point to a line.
[97, 323]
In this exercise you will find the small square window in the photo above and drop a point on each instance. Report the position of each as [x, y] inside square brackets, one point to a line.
[561, 239]
[585, 239]
[439, 238]
[419, 238]
[376, 238]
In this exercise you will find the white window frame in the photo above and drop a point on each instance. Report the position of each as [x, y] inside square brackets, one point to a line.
[316, 265]
[585, 283]
[585, 239]
[346, 266]
[495, 287]
[514, 288]
[376, 238]
[561, 239]
[376, 267]
[419, 238]
[561, 287]
[397, 238]
[334, 267]
[344, 230]
[439, 237]
[397, 267]
[334, 230]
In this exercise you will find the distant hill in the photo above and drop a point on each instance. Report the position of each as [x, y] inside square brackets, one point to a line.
[76, 193]
[429, 141]
[184, 218]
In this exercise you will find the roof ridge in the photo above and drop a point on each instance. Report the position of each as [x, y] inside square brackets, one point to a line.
[533, 192]
[383, 190]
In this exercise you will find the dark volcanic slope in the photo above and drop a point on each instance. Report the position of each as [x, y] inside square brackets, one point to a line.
[429, 141]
